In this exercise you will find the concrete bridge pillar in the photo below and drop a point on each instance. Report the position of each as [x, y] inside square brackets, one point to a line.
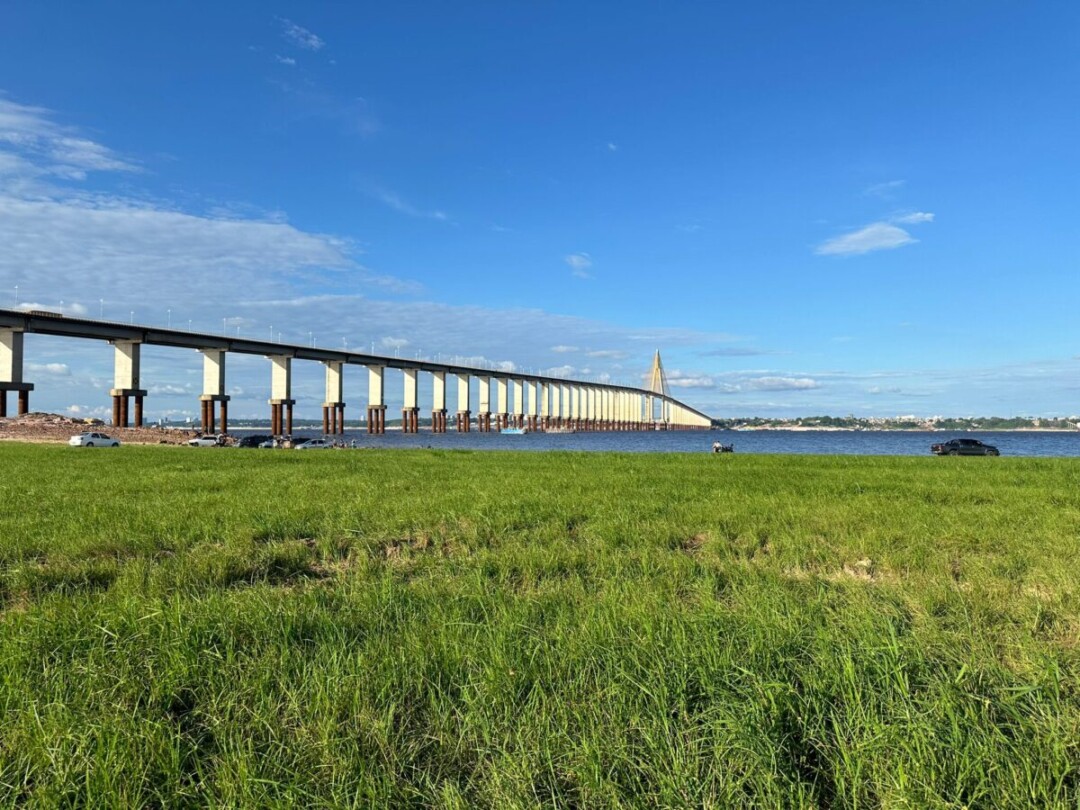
[333, 404]
[533, 410]
[564, 406]
[376, 415]
[11, 371]
[214, 390]
[502, 415]
[545, 405]
[126, 382]
[281, 401]
[410, 411]
[463, 413]
[518, 387]
[438, 402]
[483, 416]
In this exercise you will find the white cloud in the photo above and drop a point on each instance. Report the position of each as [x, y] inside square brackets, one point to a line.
[876, 236]
[300, 36]
[393, 343]
[398, 204]
[33, 145]
[568, 349]
[612, 147]
[677, 379]
[609, 354]
[914, 218]
[54, 369]
[781, 384]
[579, 264]
[885, 190]
[285, 60]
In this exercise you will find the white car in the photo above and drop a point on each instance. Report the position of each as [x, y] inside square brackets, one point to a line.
[92, 440]
[315, 444]
[204, 441]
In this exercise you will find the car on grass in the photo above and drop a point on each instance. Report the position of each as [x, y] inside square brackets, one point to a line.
[206, 441]
[315, 444]
[93, 440]
[256, 441]
[964, 447]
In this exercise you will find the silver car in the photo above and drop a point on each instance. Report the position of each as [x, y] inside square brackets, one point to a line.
[93, 440]
[315, 444]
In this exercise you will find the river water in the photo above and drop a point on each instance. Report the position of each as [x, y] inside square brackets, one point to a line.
[866, 443]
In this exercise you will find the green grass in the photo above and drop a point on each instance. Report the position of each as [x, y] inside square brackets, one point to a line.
[426, 628]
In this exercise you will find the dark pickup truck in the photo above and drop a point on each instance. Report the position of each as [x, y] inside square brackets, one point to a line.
[964, 447]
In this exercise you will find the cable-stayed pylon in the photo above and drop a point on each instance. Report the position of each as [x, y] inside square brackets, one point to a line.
[657, 377]
[658, 385]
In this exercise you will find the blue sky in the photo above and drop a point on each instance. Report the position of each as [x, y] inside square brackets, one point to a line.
[836, 208]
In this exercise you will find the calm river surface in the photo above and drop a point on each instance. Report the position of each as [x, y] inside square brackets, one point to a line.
[867, 443]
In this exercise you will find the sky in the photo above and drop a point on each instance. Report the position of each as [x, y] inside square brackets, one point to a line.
[808, 208]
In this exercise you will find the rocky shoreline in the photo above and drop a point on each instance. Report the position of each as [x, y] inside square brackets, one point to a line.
[51, 428]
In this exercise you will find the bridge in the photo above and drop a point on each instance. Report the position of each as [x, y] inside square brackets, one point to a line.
[528, 401]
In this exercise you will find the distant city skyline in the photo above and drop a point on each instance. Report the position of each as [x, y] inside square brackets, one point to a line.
[847, 208]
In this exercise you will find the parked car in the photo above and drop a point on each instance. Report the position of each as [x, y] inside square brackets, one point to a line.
[206, 441]
[256, 441]
[315, 444]
[93, 440]
[964, 447]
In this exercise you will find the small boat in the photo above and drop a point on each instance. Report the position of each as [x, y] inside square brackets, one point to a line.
[514, 431]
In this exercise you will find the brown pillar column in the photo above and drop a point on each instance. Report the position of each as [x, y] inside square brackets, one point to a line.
[116, 410]
[224, 416]
[24, 403]
[325, 419]
[288, 418]
[123, 410]
[202, 416]
[138, 411]
[341, 419]
[406, 423]
[209, 417]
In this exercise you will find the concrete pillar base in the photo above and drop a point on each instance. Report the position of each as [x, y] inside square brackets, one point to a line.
[376, 419]
[464, 421]
[438, 421]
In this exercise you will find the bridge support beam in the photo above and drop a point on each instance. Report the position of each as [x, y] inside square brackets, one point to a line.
[410, 412]
[483, 415]
[463, 413]
[376, 412]
[502, 415]
[213, 390]
[281, 401]
[126, 382]
[11, 371]
[438, 402]
[333, 406]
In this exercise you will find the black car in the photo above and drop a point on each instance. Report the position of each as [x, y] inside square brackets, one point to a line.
[964, 447]
[253, 441]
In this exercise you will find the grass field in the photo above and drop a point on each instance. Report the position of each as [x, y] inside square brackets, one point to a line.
[187, 627]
